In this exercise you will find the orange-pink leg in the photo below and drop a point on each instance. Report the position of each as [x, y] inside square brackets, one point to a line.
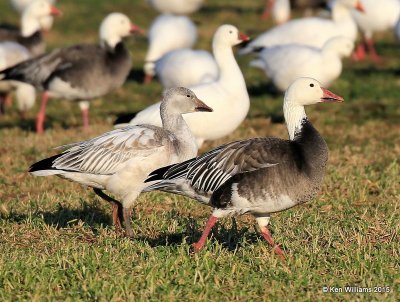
[359, 53]
[372, 51]
[210, 223]
[267, 236]
[267, 9]
[42, 113]
[85, 118]
[147, 79]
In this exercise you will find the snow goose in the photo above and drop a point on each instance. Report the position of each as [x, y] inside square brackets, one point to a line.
[21, 5]
[167, 32]
[279, 9]
[379, 16]
[177, 7]
[30, 35]
[120, 160]
[227, 95]
[12, 53]
[285, 63]
[80, 72]
[312, 31]
[258, 176]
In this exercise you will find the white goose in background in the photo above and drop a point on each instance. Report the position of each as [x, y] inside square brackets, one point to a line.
[379, 16]
[258, 176]
[278, 9]
[166, 33]
[21, 5]
[120, 160]
[227, 95]
[12, 53]
[285, 63]
[177, 7]
[312, 31]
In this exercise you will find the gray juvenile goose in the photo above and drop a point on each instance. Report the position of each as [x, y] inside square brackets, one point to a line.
[258, 176]
[119, 161]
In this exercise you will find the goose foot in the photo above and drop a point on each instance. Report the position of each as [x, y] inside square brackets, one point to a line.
[42, 113]
[200, 244]
[147, 79]
[117, 209]
[359, 54]
[276, 248]
[127, 214]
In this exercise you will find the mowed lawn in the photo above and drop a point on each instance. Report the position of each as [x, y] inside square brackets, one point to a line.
[57, 242]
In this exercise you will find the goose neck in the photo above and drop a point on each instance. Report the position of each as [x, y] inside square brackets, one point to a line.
[229, 70]
[29, 25]
[295, 117]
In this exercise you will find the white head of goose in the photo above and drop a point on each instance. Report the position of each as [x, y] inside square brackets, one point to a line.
[257, 176]
[119, 161]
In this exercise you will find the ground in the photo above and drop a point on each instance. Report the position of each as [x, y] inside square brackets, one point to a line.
[57, 241]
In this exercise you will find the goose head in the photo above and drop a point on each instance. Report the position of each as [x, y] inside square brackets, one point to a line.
[35, 15]
[228, 35]
[115, 27]
[180, 100]
[308, 91]
[340, 45]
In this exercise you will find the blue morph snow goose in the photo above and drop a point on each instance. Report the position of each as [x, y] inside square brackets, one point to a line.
[120, 160]
[257, 176]
[80, 72]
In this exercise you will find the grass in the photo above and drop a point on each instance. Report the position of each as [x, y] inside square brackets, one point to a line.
[57, 241]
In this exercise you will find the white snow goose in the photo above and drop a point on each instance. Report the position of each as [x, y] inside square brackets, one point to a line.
[227, 95]
[258, 176]
[278, 9]
[12, 53]
[177, 7]
[166, 33]
[120, 160]
[285, 63]
[80, 72]
[30, 33]
[379, 16]
[312, 31]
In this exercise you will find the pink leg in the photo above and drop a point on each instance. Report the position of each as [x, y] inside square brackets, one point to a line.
[8, 100]
[359, 54]
[147, 79]
[210, 223]
[267, 236]
[85, 118]
[42, 113]
[267, 9]
[372, 51]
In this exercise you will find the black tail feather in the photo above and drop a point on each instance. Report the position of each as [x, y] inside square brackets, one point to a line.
[158, 174]
[44, 164]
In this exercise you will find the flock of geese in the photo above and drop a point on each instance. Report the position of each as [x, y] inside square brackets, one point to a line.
[205, 99]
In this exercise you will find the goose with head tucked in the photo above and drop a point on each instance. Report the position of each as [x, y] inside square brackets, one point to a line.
[120, 160]
[278, 9]
[258, 176]
[176, 7]
[227, 95]
[80, 72]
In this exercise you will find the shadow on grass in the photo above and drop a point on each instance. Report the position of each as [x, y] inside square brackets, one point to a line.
[136, 75]
[264, 89]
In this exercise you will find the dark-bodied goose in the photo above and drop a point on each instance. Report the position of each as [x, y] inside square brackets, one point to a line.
[80, 72]
[32, 23]
[119, 161]
[257, 176]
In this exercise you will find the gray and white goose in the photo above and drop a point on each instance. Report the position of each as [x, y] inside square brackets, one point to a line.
[258, 176]
[120, 160]
[80, 72]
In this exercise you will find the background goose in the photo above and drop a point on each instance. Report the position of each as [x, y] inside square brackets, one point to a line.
[285, 63]
[278, 9]
[80, 72]
[257, 176]
[178, 7]
[167, 32]
[312, 31]
[32, 23]
[378, 16]
[227, 95]
[119, 161]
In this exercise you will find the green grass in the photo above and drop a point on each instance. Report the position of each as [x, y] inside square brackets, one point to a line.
[57, 241]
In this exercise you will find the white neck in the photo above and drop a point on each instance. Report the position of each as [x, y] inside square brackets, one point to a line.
[29, 25]
[110, 40]
[294, 117]
[230, 74]
[340, 12]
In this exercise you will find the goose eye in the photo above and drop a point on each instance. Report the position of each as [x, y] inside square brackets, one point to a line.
[311, 85]
[230, 31]
[188, 95]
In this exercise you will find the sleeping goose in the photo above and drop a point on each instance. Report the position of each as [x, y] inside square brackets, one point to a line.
[379, 16]
[30, 35]
[279, 10]
[285, 63]
[119, 161]
[80, 72]
[227, 95]
[177, 7]
[167, 32]
[312, 31]
[258, 176]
